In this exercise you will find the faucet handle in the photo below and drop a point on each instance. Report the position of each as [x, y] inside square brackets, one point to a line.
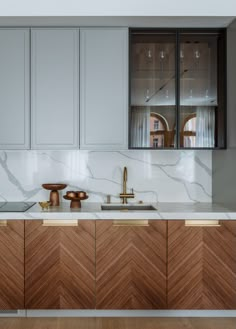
[108, 198]
[125, 196]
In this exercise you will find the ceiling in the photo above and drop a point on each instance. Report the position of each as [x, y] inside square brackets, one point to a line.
[134, 21]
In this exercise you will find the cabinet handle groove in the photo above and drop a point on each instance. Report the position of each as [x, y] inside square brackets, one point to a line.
[3, 222]
[202, 223]
[130, 222]
[60, 222]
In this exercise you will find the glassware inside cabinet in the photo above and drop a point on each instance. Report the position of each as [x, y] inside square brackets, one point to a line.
[153, 89]
[198, 90]
[177, 88]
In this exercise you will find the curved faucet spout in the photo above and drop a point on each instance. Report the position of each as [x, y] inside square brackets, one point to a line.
[124, 180]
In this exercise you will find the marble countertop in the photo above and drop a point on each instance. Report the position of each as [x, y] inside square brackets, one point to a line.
[164, 211]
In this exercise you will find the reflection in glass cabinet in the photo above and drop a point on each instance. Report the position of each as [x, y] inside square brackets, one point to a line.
[198, 89]
[153, 96]
[177, 91]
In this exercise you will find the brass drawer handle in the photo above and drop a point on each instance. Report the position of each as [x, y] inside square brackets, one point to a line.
[60, 222]
[130, 222]
[202, 223]
[3, 222]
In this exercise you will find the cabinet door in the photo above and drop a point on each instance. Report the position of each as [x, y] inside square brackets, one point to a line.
[202, 90]
[11, 265]
[59, 266]
[153, 110]
[14, 89]
[177, 88]
[130, 266]
[104, 88]
[201, 266]
[55, 88]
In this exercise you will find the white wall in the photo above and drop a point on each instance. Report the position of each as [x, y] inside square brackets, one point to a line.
[118, 7]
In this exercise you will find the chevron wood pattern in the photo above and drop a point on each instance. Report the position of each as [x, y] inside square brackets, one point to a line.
[201, 266]
[59, 266]
[12, 265]
[131, 266]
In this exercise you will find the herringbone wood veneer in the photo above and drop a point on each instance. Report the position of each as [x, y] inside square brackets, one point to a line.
[12, 265]
[59, 266]
[131, 266]
[201, 266]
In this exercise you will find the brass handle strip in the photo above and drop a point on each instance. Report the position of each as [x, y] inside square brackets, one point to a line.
[202, 223]
[3, 222]
[60, 222]
[130, 222]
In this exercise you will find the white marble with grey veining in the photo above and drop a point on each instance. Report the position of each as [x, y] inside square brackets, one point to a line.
[165, 211]
[155, 176]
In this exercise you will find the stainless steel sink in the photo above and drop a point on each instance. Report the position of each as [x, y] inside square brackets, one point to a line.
[126, 207]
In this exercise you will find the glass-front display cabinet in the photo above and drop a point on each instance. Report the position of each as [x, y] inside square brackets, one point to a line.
[177, 88]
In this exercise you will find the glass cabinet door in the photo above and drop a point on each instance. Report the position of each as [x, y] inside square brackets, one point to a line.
[153, 89]
[177, 88]
[198, 66]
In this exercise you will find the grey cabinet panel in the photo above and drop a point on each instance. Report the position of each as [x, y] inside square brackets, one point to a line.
[55, 88]
[14, 88]
[103, 88]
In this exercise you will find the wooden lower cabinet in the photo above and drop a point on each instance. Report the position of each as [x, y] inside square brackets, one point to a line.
[11, 264]
[59, 266]
[131, 265]
[162, 265]
[201, 266]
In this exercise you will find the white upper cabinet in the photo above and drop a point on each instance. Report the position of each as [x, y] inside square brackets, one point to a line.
[14, 89]
[103, 88]
[75, 75]
[55, 88]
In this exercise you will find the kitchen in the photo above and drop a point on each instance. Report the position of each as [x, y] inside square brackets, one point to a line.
[72, 147]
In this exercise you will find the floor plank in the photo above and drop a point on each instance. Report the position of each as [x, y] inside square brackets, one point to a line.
[117, 323]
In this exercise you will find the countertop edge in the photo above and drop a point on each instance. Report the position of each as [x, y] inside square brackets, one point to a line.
[165, 211]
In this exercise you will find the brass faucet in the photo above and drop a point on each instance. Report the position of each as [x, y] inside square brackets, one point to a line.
[124, 195]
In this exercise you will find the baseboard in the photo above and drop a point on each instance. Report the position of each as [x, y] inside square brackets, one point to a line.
[131, 313]
[12, 313]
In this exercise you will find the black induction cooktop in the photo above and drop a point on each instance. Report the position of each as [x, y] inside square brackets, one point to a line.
[15, 206]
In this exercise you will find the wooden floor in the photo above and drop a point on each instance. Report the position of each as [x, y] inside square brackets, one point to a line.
[117, 323]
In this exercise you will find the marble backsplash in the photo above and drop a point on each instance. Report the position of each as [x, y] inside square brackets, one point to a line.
[163, 176]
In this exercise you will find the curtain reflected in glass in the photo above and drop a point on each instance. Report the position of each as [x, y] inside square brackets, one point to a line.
[140, 126]
[205, 126]
[199, 129]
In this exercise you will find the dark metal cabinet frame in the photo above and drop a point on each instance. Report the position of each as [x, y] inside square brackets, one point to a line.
[220, 123]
